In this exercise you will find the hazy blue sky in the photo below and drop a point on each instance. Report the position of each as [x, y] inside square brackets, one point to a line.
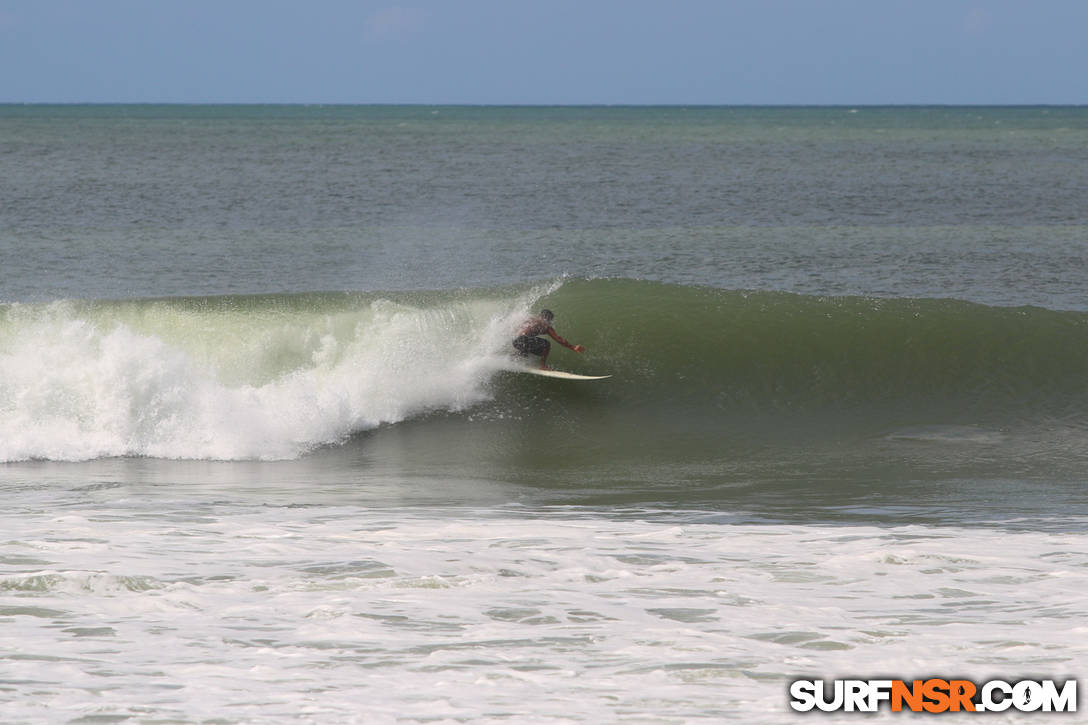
[553, 51]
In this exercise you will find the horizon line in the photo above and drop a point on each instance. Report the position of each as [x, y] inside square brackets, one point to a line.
[320, 104]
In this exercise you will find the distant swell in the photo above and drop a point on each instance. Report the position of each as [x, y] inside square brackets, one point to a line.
[274, 376]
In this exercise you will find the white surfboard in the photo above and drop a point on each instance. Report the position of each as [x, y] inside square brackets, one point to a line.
[555, 373]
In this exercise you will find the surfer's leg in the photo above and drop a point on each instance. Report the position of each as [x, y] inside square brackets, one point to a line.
[545, 348]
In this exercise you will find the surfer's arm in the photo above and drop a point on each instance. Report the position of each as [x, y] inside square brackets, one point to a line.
[555, 336]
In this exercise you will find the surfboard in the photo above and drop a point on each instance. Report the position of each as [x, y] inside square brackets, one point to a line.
[559, 374]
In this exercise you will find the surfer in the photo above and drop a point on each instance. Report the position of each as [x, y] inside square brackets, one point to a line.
[528, 343]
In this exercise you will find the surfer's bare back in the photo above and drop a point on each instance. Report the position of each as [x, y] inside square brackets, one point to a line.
[528, 343]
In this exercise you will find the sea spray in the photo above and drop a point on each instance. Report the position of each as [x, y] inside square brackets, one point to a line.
[239, 378]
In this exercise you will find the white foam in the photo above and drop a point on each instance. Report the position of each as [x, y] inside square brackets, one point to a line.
[78, 383]
[350, 614]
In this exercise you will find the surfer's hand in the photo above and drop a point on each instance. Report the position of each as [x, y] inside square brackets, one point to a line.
[579, 348]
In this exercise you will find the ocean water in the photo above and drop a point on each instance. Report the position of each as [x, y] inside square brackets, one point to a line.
[264, 460]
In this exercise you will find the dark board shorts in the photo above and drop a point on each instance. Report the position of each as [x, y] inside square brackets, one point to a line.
[527, 345]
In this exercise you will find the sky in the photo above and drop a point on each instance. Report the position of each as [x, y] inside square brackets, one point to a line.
[728, 52]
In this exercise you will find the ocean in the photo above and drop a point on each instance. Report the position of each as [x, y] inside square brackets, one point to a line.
[264, 460]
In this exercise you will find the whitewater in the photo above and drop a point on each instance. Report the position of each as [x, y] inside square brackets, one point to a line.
[335, 613]
[235, 378]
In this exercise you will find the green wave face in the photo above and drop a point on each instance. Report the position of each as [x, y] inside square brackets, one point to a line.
[709, 351]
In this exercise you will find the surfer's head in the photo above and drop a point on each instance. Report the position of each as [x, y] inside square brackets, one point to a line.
[547, 315]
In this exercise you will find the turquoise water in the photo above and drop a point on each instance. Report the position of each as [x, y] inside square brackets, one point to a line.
[264, 458]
